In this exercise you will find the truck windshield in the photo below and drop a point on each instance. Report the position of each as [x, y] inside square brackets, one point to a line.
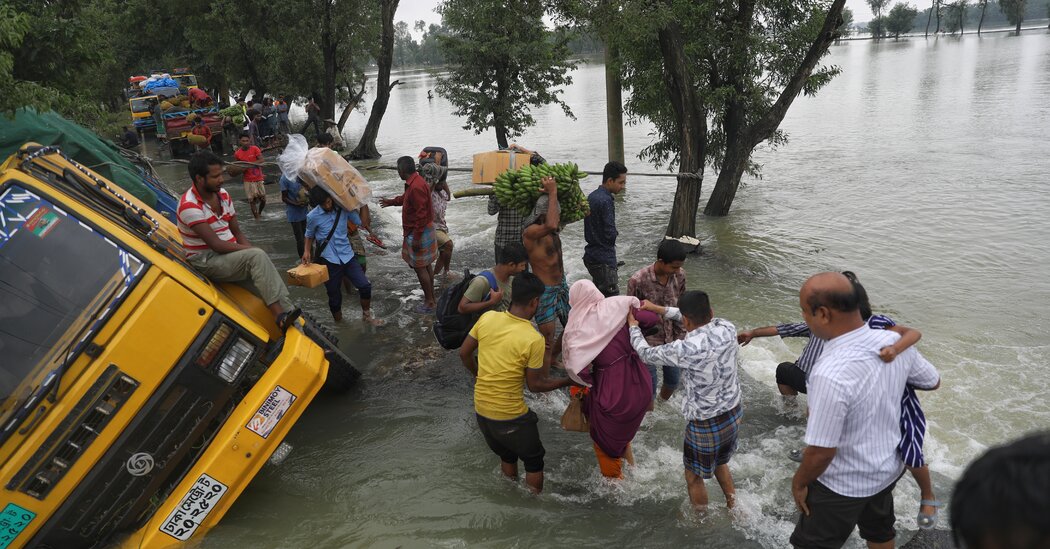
[59, 282]
[186, 80]
[141, 104]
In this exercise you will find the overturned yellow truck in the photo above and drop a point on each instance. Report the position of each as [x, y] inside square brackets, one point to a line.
[138, 398]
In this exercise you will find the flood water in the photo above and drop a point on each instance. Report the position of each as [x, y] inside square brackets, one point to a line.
[922, 168]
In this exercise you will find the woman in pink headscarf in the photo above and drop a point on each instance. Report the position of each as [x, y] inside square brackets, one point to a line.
[597, 352]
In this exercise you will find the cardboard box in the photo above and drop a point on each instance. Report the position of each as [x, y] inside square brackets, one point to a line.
[309, 276]
[324, 167]
[488, 165]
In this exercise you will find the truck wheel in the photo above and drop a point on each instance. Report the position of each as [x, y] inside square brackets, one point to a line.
[342, 375]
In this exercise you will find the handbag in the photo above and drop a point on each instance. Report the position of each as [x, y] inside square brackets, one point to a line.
[320, 246]
[573, 418]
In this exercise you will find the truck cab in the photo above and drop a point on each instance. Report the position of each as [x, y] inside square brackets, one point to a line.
[137, 398]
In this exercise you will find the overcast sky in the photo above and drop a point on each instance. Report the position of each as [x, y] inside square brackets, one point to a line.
[411, 11]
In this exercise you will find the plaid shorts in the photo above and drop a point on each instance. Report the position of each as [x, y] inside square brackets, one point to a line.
[254, 189]
[554, 303]
[711, 442]
[422, 254]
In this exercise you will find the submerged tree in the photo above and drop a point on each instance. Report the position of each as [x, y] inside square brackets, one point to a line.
[901, 20]
[984, 8]
[1014, 12]
[956, 17]
[366, 147]
[502, 61]
[716, 79]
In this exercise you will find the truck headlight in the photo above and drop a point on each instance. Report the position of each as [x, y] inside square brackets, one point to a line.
[226, 353]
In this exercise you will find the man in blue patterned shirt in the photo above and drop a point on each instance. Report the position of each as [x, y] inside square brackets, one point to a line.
[707, 358]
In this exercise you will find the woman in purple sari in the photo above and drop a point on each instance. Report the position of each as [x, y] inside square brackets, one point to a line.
[597, 352]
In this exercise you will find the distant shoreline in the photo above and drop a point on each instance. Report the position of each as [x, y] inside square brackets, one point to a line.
[1042, 26]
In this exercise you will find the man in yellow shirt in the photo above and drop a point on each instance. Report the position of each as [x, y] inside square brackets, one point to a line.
[510, 354]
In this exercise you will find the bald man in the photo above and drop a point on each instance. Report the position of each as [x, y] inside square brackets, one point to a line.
[851, 463]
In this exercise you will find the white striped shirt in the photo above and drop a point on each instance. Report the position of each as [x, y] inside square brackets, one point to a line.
[855, 407]
[193, 210]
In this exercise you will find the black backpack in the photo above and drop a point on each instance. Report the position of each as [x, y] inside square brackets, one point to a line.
[450, 326]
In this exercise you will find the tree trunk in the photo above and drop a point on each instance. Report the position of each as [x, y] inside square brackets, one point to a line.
[366, 147]
[691, 116]
[984, 6]
[929, 17]
[329, 61]
[613, 104]
[938, 2]
[352, 104]
[501, 135]
[741, 138]
[1018, 29]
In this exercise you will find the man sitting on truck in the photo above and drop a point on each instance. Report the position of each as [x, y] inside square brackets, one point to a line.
[217, 248]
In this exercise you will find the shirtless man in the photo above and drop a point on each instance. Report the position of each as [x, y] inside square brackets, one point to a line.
[544, 247]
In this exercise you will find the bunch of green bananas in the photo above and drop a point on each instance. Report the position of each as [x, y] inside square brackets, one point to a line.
[519, 189]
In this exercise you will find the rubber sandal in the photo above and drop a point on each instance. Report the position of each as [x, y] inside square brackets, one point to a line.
[927, 522]
[423, 309]
[795, 455]
[286, 319]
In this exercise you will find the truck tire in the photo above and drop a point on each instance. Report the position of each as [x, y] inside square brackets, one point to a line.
[342, 375]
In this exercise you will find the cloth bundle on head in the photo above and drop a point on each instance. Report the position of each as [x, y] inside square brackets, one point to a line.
[433, 173]
[542, 203]
[593, 321]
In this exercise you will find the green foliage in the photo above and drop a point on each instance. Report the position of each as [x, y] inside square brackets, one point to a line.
[765, 57]
[877, 6]
[877, 27]
[956, 16]
[846, 28]
[426, 52]
[901, 20]
[502, 62]
[1014, 10]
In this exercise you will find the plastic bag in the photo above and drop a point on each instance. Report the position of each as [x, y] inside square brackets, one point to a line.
[291, 160]
[325, 168]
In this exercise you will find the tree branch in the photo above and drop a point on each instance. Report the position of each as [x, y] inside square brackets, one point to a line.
[765, 126]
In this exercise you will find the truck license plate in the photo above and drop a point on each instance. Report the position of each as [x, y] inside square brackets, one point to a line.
[194, 508]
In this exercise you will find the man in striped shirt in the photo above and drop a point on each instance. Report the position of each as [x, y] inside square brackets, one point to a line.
[791, 376]
[851, 463]
[215, 245]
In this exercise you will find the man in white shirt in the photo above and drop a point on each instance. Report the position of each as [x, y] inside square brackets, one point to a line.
[851, 463]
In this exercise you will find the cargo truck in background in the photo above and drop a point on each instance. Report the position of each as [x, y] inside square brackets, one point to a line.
[175, 108]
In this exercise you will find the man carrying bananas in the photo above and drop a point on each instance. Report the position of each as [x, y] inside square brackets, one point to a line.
[545, 258]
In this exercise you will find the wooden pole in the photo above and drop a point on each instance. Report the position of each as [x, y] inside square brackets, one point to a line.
[614, 103]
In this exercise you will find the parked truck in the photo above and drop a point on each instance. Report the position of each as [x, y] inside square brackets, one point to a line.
[171, 106]
[138, 399]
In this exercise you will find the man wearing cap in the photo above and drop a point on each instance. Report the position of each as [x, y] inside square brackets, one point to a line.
[545, 258]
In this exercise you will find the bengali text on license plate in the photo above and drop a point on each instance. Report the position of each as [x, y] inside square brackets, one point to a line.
[194, 508]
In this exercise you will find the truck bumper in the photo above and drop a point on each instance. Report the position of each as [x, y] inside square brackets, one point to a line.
[240, 448]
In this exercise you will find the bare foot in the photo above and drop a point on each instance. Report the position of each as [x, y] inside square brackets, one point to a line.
[730, 500]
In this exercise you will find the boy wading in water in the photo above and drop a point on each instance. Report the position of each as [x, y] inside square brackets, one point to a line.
[510, 354]
[711, 403]
[544, 246]
[253, 176]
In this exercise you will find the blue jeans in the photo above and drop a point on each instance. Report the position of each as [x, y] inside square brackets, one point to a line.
[671, 374]
[355, 273]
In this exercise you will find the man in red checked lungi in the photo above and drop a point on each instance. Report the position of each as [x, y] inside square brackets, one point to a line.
[419, 248]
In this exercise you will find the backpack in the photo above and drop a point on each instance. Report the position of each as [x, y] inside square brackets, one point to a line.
[450, 326]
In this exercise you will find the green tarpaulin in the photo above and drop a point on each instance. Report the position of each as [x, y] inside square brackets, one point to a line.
[77, 142]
